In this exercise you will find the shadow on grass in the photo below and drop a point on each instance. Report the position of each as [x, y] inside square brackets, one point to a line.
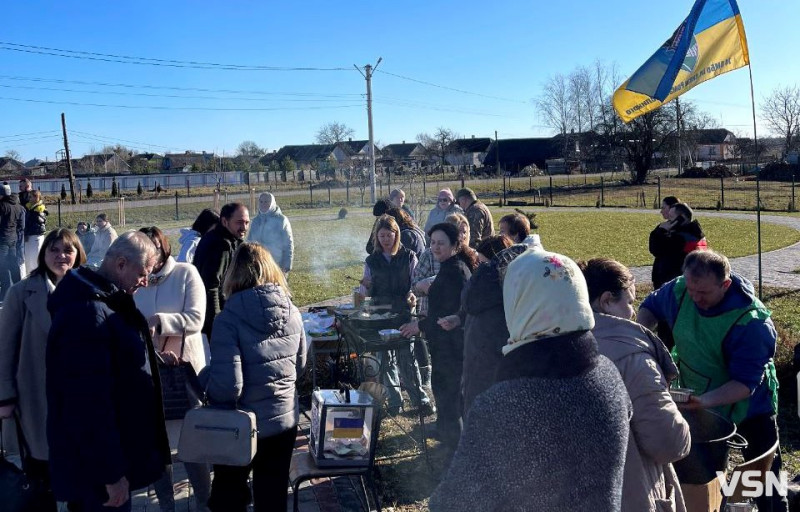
[405, 476]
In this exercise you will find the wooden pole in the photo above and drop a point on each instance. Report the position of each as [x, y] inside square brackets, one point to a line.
[69, 160]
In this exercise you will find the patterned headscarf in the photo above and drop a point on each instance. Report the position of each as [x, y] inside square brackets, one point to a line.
[545, 295]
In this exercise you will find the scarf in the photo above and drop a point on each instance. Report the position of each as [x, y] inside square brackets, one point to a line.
[545, 295]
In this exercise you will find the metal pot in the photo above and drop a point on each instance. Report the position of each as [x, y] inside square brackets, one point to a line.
[712, 438]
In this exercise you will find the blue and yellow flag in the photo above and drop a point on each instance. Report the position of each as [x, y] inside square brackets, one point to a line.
[710, 42]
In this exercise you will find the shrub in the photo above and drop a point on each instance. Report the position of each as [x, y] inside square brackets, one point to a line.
[343, 213]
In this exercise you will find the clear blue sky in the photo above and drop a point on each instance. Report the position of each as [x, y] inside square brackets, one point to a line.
[502, 50]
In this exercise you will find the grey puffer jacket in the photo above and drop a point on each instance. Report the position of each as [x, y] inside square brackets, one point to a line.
[258, 349]
[659, 434]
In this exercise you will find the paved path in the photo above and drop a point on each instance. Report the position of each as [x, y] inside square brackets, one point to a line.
[777, 266]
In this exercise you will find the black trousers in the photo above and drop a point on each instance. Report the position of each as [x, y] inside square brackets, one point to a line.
[270, 466]
[447, 359]
[761, 433]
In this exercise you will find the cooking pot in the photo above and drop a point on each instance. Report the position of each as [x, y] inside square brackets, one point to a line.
[713, 436]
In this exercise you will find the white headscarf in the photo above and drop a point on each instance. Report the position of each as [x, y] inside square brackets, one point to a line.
[545, 295]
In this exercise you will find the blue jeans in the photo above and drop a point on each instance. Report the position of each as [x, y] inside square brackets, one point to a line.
[9, 269]
[401, 363]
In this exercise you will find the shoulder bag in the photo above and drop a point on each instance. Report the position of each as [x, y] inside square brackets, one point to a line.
[214, 435]
[176, 380]
[19, 492]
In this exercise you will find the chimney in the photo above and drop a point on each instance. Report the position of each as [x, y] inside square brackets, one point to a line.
[349, 139]
[473, 136]
[404, 142]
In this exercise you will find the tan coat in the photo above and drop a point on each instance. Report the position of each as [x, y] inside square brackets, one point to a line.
[24, 324]
[659, 434]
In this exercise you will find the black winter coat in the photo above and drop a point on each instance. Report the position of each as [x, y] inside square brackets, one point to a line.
[212, 258]
[10, 212]
[670, 247]
[104, 411]
[444, 298]
[413, 239]
[485, 331]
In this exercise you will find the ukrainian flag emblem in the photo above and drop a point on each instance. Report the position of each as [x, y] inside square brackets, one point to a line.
[710, 42]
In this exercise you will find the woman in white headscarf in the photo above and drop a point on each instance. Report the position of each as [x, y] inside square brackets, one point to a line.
[551, 433]
[272, 229]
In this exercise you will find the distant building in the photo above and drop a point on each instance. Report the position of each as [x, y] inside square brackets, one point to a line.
[713, 145]
[177, 162]
[412, 155]
[516, 154]
[470, 151]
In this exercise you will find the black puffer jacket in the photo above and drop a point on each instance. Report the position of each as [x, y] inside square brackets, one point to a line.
[104, 411]
[35, 219]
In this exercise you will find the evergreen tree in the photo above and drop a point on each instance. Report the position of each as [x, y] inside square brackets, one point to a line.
[89, 191]
[114, 189]
[63, 192]
[139, 189]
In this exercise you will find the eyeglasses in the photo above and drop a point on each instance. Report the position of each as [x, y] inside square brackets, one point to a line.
[444, 199]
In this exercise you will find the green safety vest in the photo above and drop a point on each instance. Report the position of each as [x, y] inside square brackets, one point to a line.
[698, 349]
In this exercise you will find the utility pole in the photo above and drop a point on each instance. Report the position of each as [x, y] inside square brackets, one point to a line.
[680, 157]
[367, 74]
[69, 160]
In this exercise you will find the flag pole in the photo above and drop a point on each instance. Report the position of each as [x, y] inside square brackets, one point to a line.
[758, 182]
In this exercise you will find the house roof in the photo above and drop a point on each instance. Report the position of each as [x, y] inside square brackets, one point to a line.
[400, 150]
[355, 146]
[471, 145]
[304, 154]
[9, 164]
[712, 136]
[518, 153]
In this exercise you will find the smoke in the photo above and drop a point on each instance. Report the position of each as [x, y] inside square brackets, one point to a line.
[341, 245]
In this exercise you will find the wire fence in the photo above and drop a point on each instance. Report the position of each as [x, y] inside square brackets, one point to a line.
[587, 190]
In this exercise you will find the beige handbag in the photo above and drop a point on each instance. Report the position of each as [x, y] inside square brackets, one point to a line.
[213, 435]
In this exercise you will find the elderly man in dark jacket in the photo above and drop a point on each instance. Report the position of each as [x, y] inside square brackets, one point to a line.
[105, 424]
[213, 256]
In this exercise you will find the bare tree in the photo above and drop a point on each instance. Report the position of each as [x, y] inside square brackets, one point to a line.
[250, 148]
[580, 88]
[14, 155]
[333, 133]
[555, 108]
[781, 111]
[437, 144]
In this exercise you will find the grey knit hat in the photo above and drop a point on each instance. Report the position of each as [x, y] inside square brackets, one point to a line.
[5, 189]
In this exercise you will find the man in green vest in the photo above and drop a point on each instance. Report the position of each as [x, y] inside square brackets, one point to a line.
[724, 345]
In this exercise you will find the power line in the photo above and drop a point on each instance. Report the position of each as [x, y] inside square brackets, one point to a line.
[147, 61]
[431, 84]
[115, 139]
[174, 96]
[26, 134]
[156, 107]
[26, 139]
[172, 88]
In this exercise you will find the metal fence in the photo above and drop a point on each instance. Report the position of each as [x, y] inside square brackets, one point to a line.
[606, 190]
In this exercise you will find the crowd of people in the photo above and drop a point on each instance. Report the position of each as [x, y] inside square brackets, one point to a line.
[550, 392]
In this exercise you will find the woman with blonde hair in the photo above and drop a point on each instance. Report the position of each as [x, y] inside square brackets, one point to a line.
[258, 350]
[174, 304]
[25, 323]
[387, 279]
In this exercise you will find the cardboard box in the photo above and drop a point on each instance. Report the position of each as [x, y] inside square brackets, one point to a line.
[703, 498]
